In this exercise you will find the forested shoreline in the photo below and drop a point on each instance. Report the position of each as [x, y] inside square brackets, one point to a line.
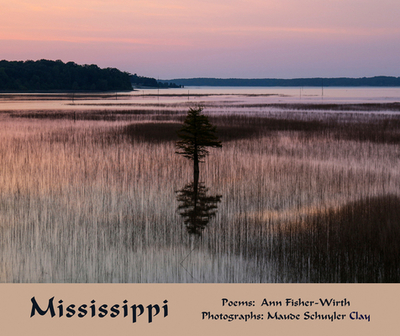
[149, 82]
[46, 75]
[378, 81]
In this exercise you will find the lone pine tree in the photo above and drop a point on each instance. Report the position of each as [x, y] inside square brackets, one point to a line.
[196, 135]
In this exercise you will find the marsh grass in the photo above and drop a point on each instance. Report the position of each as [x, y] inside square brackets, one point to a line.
[60, 96]
[93, 200]
[372, 107]
[385, 129]
[357, 242]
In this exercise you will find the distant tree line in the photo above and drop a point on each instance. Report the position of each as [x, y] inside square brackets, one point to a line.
[143, 81]
[340, 81]
[46, 75]
[169, 85]
[140, 81]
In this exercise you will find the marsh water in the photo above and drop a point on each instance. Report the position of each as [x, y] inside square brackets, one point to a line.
[306, 187]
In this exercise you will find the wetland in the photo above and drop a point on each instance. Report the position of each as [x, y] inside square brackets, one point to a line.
[302, 190]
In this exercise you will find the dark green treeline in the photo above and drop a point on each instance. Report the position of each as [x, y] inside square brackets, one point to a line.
[377, 81]
[46, 75]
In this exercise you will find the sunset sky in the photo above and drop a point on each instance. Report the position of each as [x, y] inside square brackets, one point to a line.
[209, 38]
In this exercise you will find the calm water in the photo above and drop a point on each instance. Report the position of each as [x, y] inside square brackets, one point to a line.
[85, 197]
[253, 95]
[339, 94]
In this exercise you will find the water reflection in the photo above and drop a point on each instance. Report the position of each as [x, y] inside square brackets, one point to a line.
[196, 207]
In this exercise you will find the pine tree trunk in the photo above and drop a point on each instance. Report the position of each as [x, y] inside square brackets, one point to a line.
[196, 170]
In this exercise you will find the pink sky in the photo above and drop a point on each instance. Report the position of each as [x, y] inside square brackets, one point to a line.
[209, 38]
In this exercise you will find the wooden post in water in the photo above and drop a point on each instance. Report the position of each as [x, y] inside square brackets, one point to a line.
[158, 90]
[322, 94]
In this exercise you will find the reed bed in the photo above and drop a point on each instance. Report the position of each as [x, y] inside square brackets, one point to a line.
[354, 243]
[94, 200]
